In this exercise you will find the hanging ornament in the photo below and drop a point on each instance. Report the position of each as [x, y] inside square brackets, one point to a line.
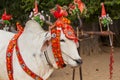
[77, 7]
[105, 19]
[6, 18]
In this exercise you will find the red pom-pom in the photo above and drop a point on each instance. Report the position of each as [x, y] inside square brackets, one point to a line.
[57, 14]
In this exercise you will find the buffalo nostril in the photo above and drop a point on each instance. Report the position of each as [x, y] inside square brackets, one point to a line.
[64, 65]
[79, 61]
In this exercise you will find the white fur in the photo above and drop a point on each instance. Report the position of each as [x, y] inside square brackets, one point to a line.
[30, 43]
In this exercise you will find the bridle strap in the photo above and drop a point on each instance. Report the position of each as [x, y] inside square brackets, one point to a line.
[62, 24]
[47, 59]
[55, 39]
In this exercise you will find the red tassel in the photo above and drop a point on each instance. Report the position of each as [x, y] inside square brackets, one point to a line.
[111, 64]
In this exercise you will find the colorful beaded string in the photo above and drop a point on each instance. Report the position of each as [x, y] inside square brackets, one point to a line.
[9, 57]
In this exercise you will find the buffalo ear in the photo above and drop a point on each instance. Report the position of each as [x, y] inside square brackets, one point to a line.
[45, 45]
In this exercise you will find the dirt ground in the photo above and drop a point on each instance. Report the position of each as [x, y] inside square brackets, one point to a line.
[94, 67]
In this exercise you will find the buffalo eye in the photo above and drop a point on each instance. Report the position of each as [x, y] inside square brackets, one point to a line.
[62, 40]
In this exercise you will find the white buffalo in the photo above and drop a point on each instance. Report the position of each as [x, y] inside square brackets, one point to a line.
[34, 44]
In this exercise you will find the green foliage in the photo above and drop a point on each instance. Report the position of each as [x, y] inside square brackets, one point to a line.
[105, 21]
[6, 22]
[20, 9]
[37, 19]
[27, 5]
[13, 7]
[113, 8]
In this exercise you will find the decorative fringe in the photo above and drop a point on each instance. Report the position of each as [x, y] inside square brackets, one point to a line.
[111, 63]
